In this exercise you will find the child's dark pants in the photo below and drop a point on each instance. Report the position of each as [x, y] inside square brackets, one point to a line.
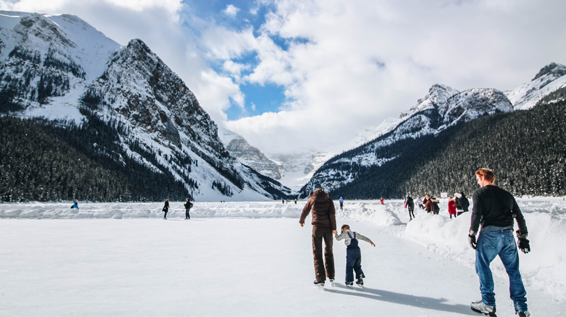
[353, 261]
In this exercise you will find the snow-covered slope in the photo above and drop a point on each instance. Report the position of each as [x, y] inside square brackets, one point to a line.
[438, 95]
[249, 155]
[62, 68]
[441, 108]
[549, 78]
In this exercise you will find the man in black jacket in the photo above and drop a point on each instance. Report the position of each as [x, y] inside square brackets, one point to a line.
[495, 208]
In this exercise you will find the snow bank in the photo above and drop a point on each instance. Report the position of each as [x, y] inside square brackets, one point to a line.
[150, 210]
[543, 268]
[371, 212]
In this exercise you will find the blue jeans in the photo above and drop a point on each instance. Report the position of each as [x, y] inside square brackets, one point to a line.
[492, 243]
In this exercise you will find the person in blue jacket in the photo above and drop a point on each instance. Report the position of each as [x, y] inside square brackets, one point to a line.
[76, 205]
[341, 203]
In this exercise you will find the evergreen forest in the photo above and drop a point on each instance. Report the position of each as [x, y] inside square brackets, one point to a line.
[44, 160]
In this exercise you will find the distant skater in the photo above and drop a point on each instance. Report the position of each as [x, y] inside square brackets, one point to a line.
[76, 205]
[323, 226]
[451, 207]
[382, 201]
[353, 255]
[435, 207]
[188, 205]
[295, 201]
[341, 203]
[420, 201]
[410, 204]
[428, 204]
[166, 209]
[462, 203]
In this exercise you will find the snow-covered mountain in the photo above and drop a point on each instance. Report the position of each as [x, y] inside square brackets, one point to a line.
[298, 168]
[249, 155]
[550, 78]
[440, 109]
[60, 67]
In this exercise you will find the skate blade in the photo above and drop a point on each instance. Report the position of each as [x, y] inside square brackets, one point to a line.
[319, 287]
[484, 313]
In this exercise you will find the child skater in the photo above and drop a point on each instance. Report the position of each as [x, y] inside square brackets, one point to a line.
[353, 255]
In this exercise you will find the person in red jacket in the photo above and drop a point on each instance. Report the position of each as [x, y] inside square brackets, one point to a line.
[323, 226]
[451, 207]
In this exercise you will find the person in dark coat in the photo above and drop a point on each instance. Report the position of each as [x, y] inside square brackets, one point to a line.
[166, 209]
[428, 204]
[323, 226]
[435, 207]
[188, 205]
[410, 204]
[462, 204]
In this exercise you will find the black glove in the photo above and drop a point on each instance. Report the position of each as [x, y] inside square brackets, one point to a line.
[472, 241]
[524, 245]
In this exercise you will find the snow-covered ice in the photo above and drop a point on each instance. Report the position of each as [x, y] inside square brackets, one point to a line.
[253, 258]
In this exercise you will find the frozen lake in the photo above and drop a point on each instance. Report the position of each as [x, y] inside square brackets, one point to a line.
[224, 265]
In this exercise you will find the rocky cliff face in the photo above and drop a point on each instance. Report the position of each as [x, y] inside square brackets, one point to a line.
[63, 66]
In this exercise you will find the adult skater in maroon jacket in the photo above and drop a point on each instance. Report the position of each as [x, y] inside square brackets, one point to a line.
[323, 226]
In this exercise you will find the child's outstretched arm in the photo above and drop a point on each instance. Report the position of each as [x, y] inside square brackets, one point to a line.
[339, 236]
[364, 238]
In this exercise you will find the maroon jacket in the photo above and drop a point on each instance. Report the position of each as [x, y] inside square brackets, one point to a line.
[323, 212]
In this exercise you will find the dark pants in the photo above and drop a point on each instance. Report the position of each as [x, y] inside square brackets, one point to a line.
[353, 263]
[165, 215]
[341, 205]
[319, 233]
[411, 212]
[187, 215]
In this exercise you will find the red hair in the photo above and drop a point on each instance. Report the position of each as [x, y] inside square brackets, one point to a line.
[487, 174]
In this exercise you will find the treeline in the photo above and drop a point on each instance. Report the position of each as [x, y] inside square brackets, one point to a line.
[526, 149]
[49, 161]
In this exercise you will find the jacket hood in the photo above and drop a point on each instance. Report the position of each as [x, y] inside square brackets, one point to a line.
[320, 196]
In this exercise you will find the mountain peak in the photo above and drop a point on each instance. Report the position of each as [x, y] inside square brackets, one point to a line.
[39, 26]
[558, 70]
[437, 95]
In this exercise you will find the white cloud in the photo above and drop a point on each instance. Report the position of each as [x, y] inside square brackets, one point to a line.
[253, 106]
[231, 10]
[368, 60]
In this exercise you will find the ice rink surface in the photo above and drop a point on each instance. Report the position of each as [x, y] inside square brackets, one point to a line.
[233, 267]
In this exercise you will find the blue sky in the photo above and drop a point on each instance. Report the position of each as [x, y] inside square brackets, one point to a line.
[259, 98]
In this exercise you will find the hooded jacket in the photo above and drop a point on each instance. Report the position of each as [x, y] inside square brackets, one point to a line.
[323, 211]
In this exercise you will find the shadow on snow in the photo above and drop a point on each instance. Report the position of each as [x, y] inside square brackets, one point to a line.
[404, 299]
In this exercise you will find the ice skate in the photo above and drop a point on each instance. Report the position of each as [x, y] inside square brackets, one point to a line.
[480, 307]
[360, 283]
[350, 284]
[319, 285]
